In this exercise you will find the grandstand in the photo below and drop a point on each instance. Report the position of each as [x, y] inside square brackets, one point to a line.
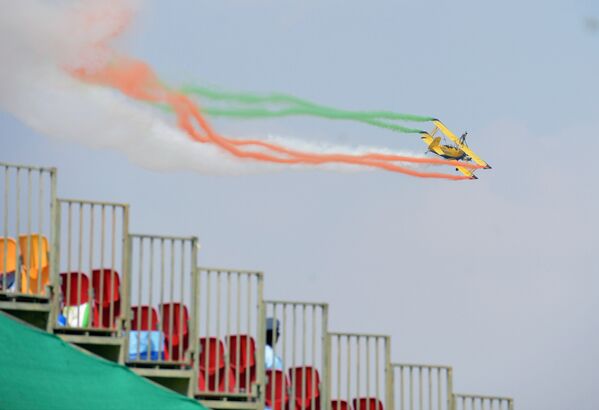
[72, 268]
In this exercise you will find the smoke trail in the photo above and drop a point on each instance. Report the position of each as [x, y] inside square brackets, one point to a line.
[43, 44]
[292, 106]
[136, 80]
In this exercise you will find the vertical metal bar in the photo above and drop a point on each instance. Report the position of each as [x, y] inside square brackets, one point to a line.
[140, 241]
[113, 271]
[313, 350]
[368, 351]
[125, 296]
[326, 360]
[80, 249]
[5, 233]
[195, 313]
[70, 249]
[261, 334]
[54, 254]
[348, 392]
[91, 244]
[29, 256]
[388, 375]
[248, 307]
[450, 396]
[22, 263]
[303, 389]
[102, 255]
[181, 291]
[420, 389]
[218, 323]
[171, 314]
[338, 367]
[228, 327]
[40, 219]
[293, 345]
[237, 334]
[206, 353]
[358, 372]
[273, 387]
[401, 388]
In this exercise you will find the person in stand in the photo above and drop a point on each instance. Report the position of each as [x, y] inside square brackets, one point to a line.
[271, 360]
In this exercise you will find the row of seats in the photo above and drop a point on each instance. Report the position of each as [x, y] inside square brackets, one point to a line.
[105, 295]
[304, 383]
[31, 255]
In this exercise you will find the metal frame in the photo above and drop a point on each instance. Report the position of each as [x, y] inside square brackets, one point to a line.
[93, 338]
[309, 312]
[478, 402]
[437, 396]
[351, 359]
[34, 307]
[242, 299]
[170, 253]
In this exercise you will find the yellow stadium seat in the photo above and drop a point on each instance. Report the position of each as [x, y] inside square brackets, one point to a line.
[34, 253]
[8, 262]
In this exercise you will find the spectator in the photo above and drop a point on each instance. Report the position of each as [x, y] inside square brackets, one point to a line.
[271, 360]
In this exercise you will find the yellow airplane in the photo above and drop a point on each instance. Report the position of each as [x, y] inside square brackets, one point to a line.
[459, 151]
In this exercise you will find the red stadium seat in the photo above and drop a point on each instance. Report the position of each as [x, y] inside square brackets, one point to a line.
[175, 325]
[216, 375]
[143, 313]
[340, 405]
[107, 298]
[74, 287]
[367, 403]
[277, 390]
[242, 353]
[305, 382]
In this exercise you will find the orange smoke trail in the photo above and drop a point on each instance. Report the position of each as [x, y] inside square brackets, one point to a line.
[137, 80]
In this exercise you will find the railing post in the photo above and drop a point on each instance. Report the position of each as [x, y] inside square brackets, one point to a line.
[450, 395]
[54, 252]
[388, 375]
[261, 374]
[195, 344]
[326, 360]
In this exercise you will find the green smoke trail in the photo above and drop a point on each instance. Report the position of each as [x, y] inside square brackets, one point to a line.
[296, 107]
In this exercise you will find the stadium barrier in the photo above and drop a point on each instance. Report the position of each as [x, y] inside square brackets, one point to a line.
[229, 314]
[93, 299]
[361, 373]
[27, 206]
[423, 387]
[480, 402]
[297, 364]
[160, 331]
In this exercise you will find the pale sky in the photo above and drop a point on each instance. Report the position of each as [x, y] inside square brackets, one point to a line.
[497, 277]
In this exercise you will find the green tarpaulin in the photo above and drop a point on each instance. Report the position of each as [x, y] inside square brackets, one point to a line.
[38, 371]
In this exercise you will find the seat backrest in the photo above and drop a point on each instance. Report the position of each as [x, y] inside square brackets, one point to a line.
[74, 287]
[144, 318]
[367, 403]
[242, 351]
[34, 250]
[212, 354]
[106, 284]
[172, 313]
[8, 250]
[305, 381]
[277, 387]
[340, 405]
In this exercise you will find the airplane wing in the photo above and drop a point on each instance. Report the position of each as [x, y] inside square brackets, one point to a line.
[439, 125]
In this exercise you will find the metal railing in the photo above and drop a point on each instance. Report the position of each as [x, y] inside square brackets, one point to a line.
[230, 317]
[423, 387]
[361, 373]
[93, 260]
[297, 352]
[27, 215]
[480, 402]
[160, 329]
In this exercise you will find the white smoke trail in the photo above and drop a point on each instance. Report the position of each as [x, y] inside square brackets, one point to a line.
[38, 39]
